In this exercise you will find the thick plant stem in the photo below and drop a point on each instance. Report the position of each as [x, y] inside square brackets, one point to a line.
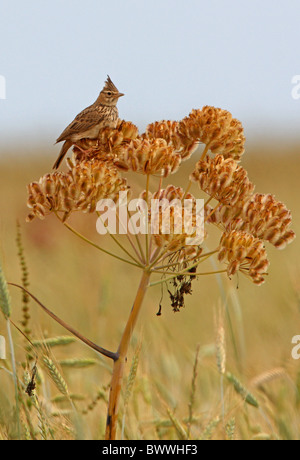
[119, 362]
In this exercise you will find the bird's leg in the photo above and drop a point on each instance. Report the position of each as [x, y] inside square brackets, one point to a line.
[85, 151]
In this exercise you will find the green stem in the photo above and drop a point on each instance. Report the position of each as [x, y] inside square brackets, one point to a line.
[206, 255]
[99, 247]
[142, 255]
[120, 245]
[182, 273]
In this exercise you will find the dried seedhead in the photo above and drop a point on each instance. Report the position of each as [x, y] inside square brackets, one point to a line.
[246, 219]
[109, 139]
[261, 215]
[168, 130]
[266, 218]
[245, 253]
[215, 128]
[174, 224]
[145, 156]
[77, 190]
[223, 179]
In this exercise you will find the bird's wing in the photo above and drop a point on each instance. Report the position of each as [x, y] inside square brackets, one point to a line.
[85, 120]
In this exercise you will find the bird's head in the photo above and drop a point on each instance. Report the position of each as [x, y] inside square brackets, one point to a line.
[109, 94]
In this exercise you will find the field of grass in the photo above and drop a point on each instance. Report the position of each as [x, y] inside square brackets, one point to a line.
[173, 387]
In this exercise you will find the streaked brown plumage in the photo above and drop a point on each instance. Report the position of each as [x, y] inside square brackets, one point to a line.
[87, 124]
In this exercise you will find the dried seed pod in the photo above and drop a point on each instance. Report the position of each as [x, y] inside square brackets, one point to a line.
[216, 129]
[153, 156]
[173, 224]
[243, 252]
[77, 190]
[223, 179]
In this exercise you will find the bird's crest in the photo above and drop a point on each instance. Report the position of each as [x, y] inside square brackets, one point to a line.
[109, 86]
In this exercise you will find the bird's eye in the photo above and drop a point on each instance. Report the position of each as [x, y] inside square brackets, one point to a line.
[109, 93]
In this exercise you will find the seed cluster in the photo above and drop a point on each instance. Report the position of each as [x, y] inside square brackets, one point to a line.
[266, 218]
[223, 179]
[244, 252]
[173, 223]
[216, 129]
[168, 130]
[260, 215]
[77, 190]
[246, 219]
[145, 156]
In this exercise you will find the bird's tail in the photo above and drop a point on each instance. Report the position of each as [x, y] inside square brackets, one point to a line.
[66, 145]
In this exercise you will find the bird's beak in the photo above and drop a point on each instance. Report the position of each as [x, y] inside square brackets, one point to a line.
[121, 94]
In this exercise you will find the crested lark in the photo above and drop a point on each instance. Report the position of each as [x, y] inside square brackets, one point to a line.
[88, 123]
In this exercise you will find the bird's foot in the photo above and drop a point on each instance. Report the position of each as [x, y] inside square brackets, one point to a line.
[85, 151]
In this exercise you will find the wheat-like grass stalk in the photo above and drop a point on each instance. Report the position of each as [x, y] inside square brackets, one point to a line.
[5, 300]
[132, 375]
[25, 281]
[43, 425]
[53, 341]
[28, 426]
[193, 391]
[210, 428]
[129, 385]
[221, 351]
[220, 341]
[27, 434]
[181, 432]
[73, 396]
[268, 376]
[100, 396]
[230, 429]
[248, 397]
[56, 376]
[262, 437]
[5, 306]
[78, 363]
[62, 387]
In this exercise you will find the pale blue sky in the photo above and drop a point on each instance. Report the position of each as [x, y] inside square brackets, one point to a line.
[168, 56]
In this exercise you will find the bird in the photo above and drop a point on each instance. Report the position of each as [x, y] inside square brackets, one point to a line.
[103, 113]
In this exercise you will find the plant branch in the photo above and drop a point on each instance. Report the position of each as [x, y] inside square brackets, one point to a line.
[99, 247]
[182, 273]
[119, 363]
[102, 351]
[204, 152]
[142, 255]
[147, 201]
[206, 255]
[118, 242]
